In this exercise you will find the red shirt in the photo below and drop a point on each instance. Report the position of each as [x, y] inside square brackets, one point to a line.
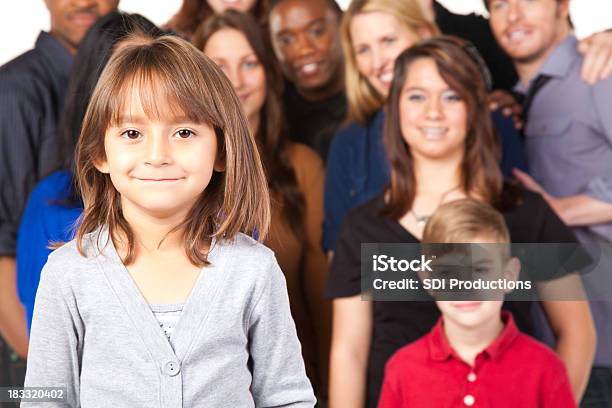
[515, 371]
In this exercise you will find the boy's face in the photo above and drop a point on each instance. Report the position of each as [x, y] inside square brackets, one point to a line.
[70, 19]
[528, 30]
[486, 259]
[306, 42]
[488, 262]
[160, 166]
[470, 314]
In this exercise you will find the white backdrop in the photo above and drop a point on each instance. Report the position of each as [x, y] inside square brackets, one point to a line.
[21, 20]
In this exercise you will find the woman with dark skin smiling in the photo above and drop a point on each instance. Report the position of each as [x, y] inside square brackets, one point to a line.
[441, 147]
[295, 176]
[306, 42]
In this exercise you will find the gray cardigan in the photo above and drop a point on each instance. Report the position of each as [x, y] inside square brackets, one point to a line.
[235, 342]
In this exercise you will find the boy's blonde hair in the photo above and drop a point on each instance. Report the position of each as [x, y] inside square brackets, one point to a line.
[363, 99]
[462, 221]
[172, 76]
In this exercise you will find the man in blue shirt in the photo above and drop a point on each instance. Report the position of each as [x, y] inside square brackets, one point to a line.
[32, 88]
[568, 135]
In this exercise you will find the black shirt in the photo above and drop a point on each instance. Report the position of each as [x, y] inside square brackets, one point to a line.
[313, 123]
[475, 28]
[396, 324]
[32, 89]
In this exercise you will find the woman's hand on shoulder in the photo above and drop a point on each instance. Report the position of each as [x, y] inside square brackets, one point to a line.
[597, 52]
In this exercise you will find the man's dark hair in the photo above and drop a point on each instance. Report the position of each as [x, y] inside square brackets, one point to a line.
[332, 4]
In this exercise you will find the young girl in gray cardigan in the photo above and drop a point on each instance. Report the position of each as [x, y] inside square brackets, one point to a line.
[163, 299]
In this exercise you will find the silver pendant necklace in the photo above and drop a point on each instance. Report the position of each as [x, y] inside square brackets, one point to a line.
[421, 220]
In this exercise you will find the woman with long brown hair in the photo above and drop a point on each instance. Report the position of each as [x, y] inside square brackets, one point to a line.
[441, 147]
[373, 34]
[294, 172]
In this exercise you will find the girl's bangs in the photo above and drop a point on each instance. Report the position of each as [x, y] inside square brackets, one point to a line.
[162, 97]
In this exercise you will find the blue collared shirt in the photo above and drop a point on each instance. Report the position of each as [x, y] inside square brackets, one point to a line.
[358, 168]
[48, 217]
[32, 90]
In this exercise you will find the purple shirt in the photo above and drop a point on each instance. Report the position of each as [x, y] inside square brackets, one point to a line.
[569, 151]
[569, 134]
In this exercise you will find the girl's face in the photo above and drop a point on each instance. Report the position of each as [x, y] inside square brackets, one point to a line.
[377, 39]
[231, 50]
[160, 167]
[433, 117]
[219, 6]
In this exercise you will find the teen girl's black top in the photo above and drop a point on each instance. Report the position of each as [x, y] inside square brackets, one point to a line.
[395, 324]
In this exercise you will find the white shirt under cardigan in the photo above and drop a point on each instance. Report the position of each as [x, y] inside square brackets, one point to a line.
[235, 344]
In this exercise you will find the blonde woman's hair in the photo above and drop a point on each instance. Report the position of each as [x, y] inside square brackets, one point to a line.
[170, 74]
[363, 99]
[462, 221]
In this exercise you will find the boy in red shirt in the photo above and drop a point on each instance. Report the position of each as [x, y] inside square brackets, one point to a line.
[475, 356]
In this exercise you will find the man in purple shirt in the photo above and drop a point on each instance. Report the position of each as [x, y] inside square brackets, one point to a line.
[568, 135]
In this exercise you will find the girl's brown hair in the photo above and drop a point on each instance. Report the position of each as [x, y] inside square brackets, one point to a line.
[170, 74]
[193, 12]
[270, 137]
[363, 99]
[480, 173]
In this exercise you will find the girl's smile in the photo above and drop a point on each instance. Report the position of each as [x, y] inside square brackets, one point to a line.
[433, 116]
[163, 180]
[159, 165]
